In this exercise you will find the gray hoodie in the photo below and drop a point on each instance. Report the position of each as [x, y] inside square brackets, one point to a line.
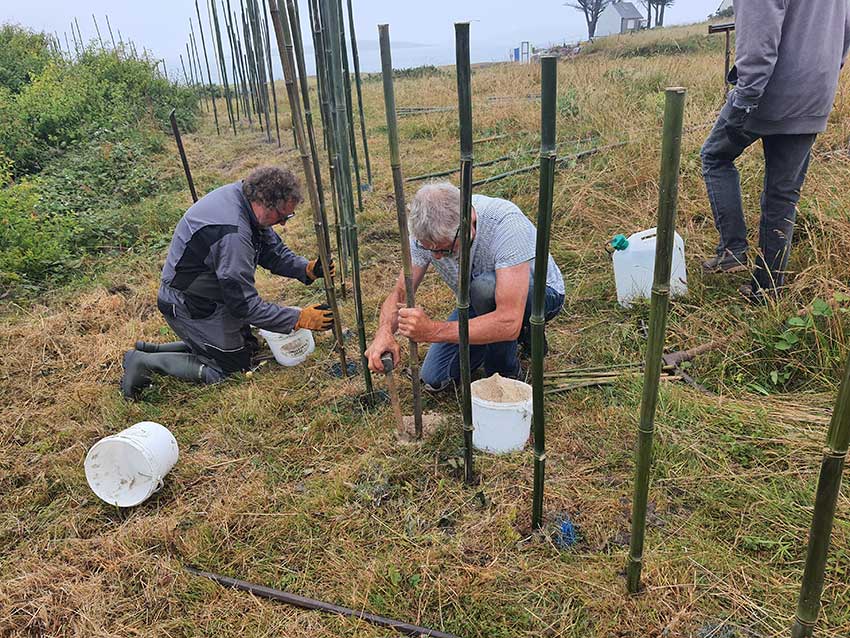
[788, 57]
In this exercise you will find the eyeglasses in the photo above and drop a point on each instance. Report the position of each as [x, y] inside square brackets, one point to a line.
[443, 252]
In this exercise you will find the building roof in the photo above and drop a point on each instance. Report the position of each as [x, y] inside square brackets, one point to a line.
[725, 5]
[626, 10]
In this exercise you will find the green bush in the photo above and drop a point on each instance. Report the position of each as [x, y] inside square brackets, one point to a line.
[23, 55]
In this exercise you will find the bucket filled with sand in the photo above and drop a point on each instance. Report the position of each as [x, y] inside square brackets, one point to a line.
[501, 414]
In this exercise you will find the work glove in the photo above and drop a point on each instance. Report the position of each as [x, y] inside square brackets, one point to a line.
[315, 270]
[315, 317]
[735, 127]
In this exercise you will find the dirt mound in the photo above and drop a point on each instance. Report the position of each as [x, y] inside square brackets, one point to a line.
[500, 390]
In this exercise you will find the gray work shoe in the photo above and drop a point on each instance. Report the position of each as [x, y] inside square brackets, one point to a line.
[728, 262]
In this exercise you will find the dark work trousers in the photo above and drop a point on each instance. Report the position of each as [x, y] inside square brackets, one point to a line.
[224, 343]
[786, 160]
[442, 363]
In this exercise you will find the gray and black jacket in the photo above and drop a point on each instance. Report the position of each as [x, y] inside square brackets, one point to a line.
[213, 256]
[788, 54]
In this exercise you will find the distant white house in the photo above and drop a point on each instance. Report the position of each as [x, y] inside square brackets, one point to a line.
[619, 17]
[725, 6]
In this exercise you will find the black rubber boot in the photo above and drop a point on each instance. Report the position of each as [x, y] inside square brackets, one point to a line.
[138, 367]
[174, 346]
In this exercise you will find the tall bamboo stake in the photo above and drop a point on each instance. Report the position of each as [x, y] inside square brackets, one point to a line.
[327, 130]
[464, 102]
[401, 211]
[356, 58]
[352, 138]
[344, 181]
[260, 64]
[234, 65]
[207, 61]
[271, 71]
[199, 74]
[216, 38]
[829, 486]
[80, 34]
[548, 153]
[97, 30]
[240, 61]
[185, 75]
[251, 60]
[667, 202]
[109, 26]
[74, 38]
[284, 45]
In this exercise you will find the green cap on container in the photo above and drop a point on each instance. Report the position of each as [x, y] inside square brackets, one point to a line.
[619, 242]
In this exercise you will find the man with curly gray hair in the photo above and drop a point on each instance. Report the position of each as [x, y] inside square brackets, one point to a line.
[502, 254]
[207, 293]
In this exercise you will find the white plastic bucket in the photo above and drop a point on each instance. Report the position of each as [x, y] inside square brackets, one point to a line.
[290, 349]
[634, 268]
[500, 427]
[126, 468]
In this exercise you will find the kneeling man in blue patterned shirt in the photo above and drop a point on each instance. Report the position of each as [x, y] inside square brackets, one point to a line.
[500, 290]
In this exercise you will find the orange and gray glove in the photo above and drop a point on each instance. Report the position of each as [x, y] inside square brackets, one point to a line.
[315, 317]
[315, 270]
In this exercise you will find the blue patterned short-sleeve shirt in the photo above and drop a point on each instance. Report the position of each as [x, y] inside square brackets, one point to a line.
[504, 237]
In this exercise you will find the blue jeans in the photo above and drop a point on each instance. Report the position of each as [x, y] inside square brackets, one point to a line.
[786, 160]
[442, 363]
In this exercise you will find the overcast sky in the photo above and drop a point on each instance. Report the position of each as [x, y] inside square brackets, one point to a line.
[162, 26]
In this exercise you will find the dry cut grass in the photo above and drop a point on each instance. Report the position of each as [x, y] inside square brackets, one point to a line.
[284, 480]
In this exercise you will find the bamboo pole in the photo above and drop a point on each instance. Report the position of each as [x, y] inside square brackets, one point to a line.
[464, 101]
[327, 131]
[97, 30]
[109, 26]
[563, 160]
[271, 71]
[182, 151]
[240, 59]
[667, 202]
[80, 34]
[358, 84]
[282, 30]
[216, 38]
[352, 138]
[185, 75]
[548, 153]
[233, 63]
[292, 12]
[829, 486]
[250, 61]
[344, 182]
[260, 62]
[401, 211]
[199, 73]
[207, 61]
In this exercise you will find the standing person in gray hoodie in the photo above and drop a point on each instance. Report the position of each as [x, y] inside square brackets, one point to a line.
[788, 57]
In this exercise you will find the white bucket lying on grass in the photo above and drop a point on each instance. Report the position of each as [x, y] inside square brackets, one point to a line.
[125, 469]
[290, 349]
[501, 414]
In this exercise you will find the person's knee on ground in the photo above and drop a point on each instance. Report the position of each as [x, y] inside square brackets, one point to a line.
[140, 366]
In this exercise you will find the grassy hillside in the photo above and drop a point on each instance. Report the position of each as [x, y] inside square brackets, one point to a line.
[284, 480]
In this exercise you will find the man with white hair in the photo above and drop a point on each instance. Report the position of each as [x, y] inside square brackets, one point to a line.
[500, 290]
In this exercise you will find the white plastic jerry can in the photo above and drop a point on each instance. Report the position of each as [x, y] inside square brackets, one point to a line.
[634, 263]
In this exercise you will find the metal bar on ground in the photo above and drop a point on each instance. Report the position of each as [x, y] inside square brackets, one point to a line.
[317, 605]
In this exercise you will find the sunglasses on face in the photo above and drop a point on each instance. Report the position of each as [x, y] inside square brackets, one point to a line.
[444, 252]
